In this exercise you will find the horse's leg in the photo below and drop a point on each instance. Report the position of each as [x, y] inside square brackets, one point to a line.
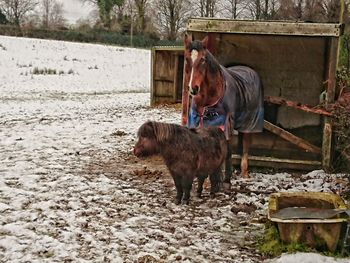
[186, 187]
[179, 191]
[228, 165]
[247, 139]
[200, 111]
[201, 180]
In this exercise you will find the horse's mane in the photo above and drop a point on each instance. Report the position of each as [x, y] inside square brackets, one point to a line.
[214, 65]
[161, 131]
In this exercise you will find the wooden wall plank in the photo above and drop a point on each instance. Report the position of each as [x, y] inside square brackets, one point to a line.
[327, 145]
[264, 27]
[291, 138]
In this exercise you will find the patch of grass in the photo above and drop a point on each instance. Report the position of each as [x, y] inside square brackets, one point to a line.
[24, 65]
[271, 245]
[44, 71]
[95, 67]
[49, 71]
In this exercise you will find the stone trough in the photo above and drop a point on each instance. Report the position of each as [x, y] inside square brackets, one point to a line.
[311, 218]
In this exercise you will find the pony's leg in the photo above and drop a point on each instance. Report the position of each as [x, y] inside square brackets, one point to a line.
[228, 165]
[179, 191]
[201, 180]
[247, 139]
[186, 187]
[215, 180]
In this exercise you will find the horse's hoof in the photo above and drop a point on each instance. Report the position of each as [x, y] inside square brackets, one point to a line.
[245, 175]
[212, 195]
[199, 195]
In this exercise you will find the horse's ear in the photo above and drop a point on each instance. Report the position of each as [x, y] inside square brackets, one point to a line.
[188, 40]
[205, 42]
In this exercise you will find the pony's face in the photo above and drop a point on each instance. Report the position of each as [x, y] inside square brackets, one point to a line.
[147, 144]
[196, 64]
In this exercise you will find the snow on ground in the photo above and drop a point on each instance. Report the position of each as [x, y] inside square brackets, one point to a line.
[84, 68]
[306, 258]
[70, 188]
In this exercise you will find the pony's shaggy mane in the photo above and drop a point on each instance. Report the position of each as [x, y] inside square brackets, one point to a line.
[160, 131]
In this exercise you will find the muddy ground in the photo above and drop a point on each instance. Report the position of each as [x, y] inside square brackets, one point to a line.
[72, 191]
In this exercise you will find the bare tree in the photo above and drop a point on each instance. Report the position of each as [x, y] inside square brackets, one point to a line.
[56, 18]
[205, 8]
[330, 10]
[171, 17]
[46, 9]
[254, 7]
[141, 9]
[288, 10]
[235, 8]
[299, 9]
[313, 11]
[3, 19]
[270, 9]
[105, 8]
[16, 10]
[263, 9]
[52, 14]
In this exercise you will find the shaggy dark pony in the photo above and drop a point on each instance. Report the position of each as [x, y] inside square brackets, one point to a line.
[188, 153]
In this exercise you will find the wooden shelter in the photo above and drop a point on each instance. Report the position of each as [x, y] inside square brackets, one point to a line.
[297, 63]
[167, 74]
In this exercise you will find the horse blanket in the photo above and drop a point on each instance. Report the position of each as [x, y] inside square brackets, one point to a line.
[243, 98]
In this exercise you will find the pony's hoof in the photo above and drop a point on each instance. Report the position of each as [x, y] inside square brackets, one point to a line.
[199, 195]
[212, 195]
[215, 189]
[226, 186]
[177, 201]
[186, 202]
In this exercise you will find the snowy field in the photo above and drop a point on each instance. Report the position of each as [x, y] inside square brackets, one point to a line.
[70, 188]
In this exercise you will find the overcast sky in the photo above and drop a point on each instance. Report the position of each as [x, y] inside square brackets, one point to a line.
[75, 9]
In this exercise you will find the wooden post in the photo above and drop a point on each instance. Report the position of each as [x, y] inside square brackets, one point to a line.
[176, 69]
[327, 149]
[153, 64]
[342, 9]
[185, 96]
[333, 63]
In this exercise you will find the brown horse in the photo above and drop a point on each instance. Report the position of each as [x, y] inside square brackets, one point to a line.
[231, 98]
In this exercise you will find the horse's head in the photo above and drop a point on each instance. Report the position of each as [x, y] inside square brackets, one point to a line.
[202, 72]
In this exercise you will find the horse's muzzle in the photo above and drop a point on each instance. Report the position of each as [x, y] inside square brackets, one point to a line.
[194, 90]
